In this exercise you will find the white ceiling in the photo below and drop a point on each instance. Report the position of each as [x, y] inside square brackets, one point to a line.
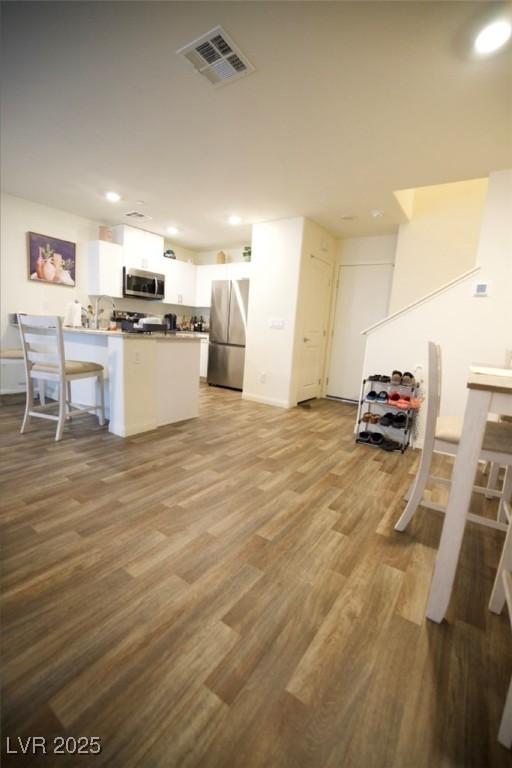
[349, 101]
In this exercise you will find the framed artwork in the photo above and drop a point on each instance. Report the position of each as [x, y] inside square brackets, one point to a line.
[51, 260]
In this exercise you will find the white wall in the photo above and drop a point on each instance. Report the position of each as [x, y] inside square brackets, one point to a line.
[367, 250]
[233, 253]
[468, 329]
[182, 253]
[18, 293]
[441, 240]
[276, 257]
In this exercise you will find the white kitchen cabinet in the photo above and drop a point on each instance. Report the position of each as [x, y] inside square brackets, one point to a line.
[203, 365]
[105, 268]
[180, 282]
[141, 249]
[207, 273]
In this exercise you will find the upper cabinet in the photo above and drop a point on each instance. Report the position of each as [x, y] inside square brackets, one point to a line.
[185, 283]
[142, 250]
[105, 266]
[180, 282]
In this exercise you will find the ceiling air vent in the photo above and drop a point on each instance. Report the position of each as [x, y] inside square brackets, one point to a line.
[215, 56]
[137, 215]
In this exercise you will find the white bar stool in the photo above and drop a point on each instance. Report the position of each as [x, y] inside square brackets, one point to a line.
[42, 343]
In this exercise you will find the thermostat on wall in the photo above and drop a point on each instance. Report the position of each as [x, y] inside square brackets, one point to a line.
[481, 289]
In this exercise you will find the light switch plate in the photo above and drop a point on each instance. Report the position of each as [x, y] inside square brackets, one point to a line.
[276, 323]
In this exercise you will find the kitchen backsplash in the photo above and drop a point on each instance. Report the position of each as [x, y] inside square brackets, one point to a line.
[156, 308]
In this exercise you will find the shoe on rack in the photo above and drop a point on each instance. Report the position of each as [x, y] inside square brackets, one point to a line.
[399, 420]
[364, 436]
[408, 379]
[387, 419]
[372, 395]
[396, 377]
[376, 438]
[390, 445]
[366, 417]
[382, 397]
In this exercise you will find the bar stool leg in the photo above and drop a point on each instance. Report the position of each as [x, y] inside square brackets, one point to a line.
[29, 404]
[101, 411]
[62, 410]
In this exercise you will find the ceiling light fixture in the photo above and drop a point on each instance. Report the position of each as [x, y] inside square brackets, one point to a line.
[377, 214]
[234, 221]
[173, 230]
[347, 217]
[493, 36]
[112, 197]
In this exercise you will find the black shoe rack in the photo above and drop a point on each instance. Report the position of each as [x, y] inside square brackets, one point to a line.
[401, 435]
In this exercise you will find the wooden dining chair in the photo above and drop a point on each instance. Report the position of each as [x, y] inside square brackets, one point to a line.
[442, 435]
[42, 342]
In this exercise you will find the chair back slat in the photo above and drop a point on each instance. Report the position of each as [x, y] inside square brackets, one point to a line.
[45, 345]
[39, 321]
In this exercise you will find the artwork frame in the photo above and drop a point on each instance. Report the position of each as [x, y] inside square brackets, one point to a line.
[51, 260]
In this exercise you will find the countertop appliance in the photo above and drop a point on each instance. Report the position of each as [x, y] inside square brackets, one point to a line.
[228, 325]
[144, 285]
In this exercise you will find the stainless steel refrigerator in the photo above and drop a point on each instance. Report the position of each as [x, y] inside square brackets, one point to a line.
[228, 324]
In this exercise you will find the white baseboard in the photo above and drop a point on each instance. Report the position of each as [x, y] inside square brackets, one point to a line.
[267, 400]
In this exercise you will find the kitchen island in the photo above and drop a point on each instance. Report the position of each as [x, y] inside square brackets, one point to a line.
[150, 380]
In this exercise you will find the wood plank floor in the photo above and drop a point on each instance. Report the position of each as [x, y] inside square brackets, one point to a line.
[229, 592]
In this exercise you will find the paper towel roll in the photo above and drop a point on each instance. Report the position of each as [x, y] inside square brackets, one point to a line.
[73, 314]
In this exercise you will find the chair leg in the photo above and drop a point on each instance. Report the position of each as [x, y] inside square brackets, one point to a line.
[506, 495]
[29, 404]
[497, 600]
[68, 400]
[416, 492]
[505, 731]
[42, 391]
[101, 411]
[62, 411]
[492, 481]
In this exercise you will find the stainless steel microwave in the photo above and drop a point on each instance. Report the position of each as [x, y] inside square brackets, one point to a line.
[144, 285]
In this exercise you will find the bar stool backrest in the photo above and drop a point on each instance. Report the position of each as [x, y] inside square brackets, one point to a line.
[42, 342]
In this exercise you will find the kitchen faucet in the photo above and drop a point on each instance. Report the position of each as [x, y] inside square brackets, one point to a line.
[97, 309]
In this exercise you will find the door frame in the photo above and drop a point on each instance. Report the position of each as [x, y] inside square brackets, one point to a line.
[332, 319]
[330, 323]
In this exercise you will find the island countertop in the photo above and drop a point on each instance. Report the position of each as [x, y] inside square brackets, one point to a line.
[154, 336]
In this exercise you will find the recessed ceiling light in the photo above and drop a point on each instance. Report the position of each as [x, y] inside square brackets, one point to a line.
[377, 214]
[112, 197]
[493, 36]
[173, 230]
[234, 221]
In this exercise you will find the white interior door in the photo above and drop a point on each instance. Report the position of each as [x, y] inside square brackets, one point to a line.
[362, 299]
[314, 308]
